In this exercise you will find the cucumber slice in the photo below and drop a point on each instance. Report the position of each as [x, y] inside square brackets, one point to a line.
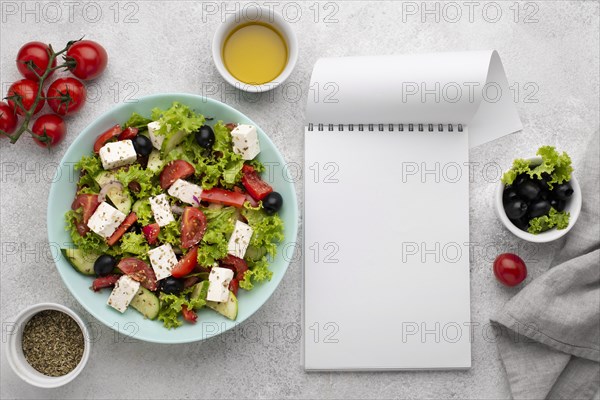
[81, 261]
[121, 199]
[228, 309]
[172, 142]
[200, 290]
[104, 177]
[155, 164]
[146, 303]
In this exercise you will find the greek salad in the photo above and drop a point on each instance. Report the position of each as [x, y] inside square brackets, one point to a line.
[171, 212]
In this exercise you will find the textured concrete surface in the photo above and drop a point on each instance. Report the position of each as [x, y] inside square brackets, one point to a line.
[550, 53]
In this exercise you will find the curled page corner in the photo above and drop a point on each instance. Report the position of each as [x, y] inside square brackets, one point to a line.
[468, 88]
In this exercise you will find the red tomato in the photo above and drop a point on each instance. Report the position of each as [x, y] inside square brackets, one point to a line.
[510, 269]
[139, 271]
[39, 54]
[193, 227]
[27, 90]
[189, 315]
[257, 188]
[50, 128]
[8, 119]
[105, 281]
[222, 196]
[66, 96]
[174, 170]
[129, 220]
[88, 59]
[186, 264]
[106, 137]
[88, 202]
[151, 233]
[238, 265]
[128, 133]
[234, 285]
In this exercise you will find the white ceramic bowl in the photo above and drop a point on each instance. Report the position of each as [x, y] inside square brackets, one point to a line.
[14, 349]
[255, 14]
[573, 207]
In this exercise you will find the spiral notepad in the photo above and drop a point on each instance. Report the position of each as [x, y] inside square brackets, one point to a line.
[386, 209]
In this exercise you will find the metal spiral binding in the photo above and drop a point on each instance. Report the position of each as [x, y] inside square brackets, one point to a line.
[391, 127]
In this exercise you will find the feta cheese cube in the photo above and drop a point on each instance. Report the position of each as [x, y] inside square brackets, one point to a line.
[161, 209]
[218, 288]
[157, 140]
[245, 141]
[240, 239]
[124, 291]
[163, 259]
[186, 192]
[105, 220]
[117, 154]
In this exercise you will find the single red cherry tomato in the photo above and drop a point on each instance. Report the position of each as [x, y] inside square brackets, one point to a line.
[257, 188]
[125, 225]
[139, 271]
[106, 137]
[189, 315]
[178, 169]
[510, 269]
[50, 128]
[8, 119]
[66, 96]
[151, 233]
[186, 264]
[88, 59]
[128, 133]
[193, 227]
[27, 90]
[222, 196]
[105, 281]
[39, 54]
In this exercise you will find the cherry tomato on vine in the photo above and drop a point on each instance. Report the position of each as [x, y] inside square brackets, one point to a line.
[27, 89]
[8, 119]
[510, 269]
[88, 58]
[52, 126]
[39, 54]
[66, 96]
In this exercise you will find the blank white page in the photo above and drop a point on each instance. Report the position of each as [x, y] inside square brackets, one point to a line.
[385, 250]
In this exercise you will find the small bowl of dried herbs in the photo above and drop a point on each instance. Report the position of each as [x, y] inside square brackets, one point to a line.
[48, 345]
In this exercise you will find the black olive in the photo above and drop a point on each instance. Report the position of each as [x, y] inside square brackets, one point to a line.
[528, 190]
[521, 223]
[521, 179]
[272, 202]
[515, 209]
[509, 194]
[558, 205]
[544, 195]
[562, 191]
[205, 137]
[542, 184]
[171, 285]
[546, 177]
[539, 208]
[142, 145]
[104, 265]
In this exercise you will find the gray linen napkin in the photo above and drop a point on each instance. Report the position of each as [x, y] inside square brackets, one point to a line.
[548, 335]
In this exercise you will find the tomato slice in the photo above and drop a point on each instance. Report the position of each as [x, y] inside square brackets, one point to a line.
[106, 137]
[234, 285]
[238, 265]
[178, 169]
[189, 315]
[151, 233]
[89, 203]
[186, 264]
[105, 281]
[139, 271]
[128, 133]
[125, 225]
[222, 196]
[257, 188]
[193, 227]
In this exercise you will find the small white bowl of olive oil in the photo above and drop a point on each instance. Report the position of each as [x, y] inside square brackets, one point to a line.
[255, 49]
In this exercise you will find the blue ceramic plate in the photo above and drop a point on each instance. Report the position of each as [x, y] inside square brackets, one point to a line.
[131, 323]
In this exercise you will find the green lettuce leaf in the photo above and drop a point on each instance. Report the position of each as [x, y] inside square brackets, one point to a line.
[171, 234]
[149, 185]
[88, 167]
[134, 243]
[220, 225]
[171, 304]
[178, 118]
[519, 166]
[144, 212]
[268, 229]
[557, 165]
[558, 219]
[137, 121]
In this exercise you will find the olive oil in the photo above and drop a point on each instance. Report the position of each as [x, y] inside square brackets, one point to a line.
[255, 53]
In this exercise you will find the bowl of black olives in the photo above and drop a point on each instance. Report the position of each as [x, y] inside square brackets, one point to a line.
[538, 206]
